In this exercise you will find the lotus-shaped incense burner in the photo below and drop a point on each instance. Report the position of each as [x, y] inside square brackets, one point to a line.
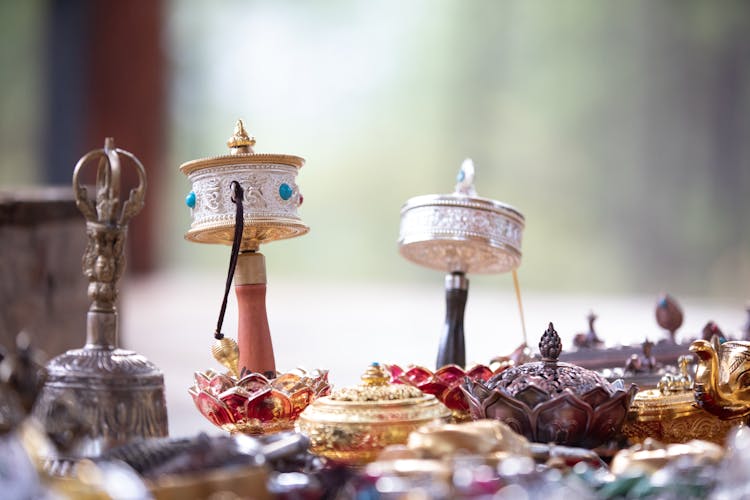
[550, 401]
[255, 404]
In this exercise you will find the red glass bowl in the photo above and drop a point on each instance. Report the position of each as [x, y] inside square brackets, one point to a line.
[255, 404]
[444, 384]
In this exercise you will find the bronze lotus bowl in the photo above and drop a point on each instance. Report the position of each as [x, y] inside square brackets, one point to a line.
[553, 402]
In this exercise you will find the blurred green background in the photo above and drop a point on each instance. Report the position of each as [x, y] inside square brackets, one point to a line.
[620, 129]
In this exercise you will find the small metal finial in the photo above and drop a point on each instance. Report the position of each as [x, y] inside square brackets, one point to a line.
[550, 346]
[465, 178]
[241, 142]
[227, 353]
[374, 376]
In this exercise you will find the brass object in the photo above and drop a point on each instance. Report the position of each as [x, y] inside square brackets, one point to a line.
[354, 424]
[227, 353]
[481, 437]
[670, 414]
[101, 396]
[722, 380]
[673, 417]
[651, 455]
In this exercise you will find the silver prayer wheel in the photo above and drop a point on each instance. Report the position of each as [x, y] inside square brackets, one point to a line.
[267, 210]
[101, 396]
[460, 233]
[271, 197]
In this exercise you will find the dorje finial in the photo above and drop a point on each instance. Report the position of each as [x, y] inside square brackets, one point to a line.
[550, 346]
[240, 142]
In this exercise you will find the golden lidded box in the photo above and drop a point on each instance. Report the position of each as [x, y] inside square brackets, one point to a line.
[353, 425]
[673, 418]
[671, 414]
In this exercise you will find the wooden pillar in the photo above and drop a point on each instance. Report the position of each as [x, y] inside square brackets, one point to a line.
[107, 79]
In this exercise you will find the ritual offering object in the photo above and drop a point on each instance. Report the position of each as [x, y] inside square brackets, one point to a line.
[722, 380]
[255, 404]
[444, 383]
[460, 233]
[354, 424]
[101, 396]
[549, 401]
[245, 199]
[670, 414]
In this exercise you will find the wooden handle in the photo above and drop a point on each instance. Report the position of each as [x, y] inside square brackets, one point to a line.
[452, 347]
[254, 336]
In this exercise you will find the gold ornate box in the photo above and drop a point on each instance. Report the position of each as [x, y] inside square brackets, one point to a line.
[353, 425]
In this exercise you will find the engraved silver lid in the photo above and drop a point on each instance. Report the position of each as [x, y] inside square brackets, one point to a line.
[460, 231]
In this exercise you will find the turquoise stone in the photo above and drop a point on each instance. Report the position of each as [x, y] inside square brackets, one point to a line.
[190, 199]
[285, 191]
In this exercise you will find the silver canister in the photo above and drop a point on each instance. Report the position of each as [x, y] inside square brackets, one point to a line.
[100, 396]
[460, 233]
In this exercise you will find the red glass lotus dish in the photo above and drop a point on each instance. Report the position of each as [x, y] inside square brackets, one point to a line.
[553, 402]
[445, 383]
[255, 404]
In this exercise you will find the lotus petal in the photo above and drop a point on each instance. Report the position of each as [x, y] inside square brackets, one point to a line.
[514, 413]
[436, 388]
[253, 382]
[450, 374]
[563, 420]
[300, 400]
[202, 380]
[455, 399]
[269, 404]
[532, 396]
[219, 383]
[596, 396]
[395, 371]
[479, 372]
[608, 418]
[287, 382]
[235, 400]
[213, 409]
[418, 375]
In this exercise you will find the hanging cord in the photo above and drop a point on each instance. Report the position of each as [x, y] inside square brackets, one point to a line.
[239, 223]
